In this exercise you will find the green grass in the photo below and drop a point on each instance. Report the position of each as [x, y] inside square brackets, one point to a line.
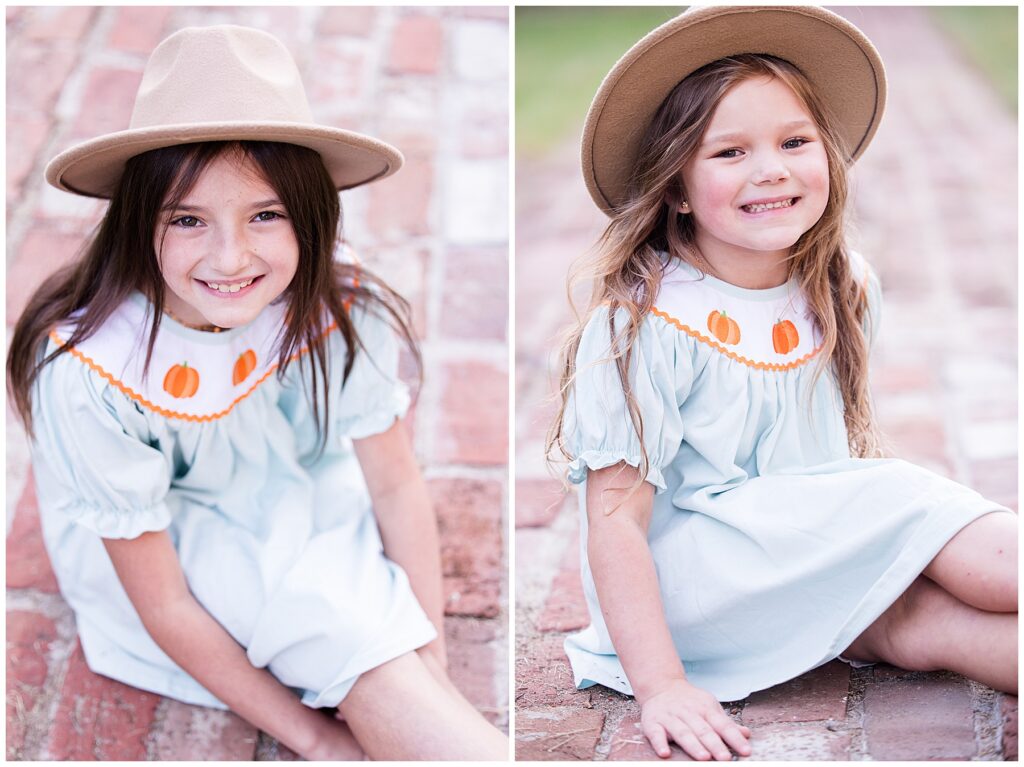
[988, 37]
[562, 54]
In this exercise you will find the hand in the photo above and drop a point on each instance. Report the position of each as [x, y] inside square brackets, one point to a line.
[693, 719]
[334, 743]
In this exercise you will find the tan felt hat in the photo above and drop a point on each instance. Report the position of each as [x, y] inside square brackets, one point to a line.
[220, 83]
[841, 63]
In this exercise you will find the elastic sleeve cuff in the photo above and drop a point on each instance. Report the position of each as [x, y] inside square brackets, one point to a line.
[381, 417]
[602, 459]
[118, 523]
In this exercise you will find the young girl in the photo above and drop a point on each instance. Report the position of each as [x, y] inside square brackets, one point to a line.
[740, 526]
[229, 500]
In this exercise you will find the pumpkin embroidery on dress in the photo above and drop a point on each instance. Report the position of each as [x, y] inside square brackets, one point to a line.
[724, 328]
[244, 365]
[181, 381]
[784, 337]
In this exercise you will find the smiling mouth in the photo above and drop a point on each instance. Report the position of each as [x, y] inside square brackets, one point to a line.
[229, 287]
[761, 207]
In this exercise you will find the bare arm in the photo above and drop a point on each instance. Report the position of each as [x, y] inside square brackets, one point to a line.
[627, 588]
[152, 577]
[408, 525]
[626, 581]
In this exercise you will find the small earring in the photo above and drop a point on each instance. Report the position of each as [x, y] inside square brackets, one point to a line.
[684, 207]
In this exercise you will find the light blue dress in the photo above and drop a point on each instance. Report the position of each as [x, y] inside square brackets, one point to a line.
[774, 549]
[280, 546]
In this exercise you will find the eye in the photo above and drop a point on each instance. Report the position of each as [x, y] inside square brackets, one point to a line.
[728, 154]
[189, 222]
[268, 215]
[795, 143]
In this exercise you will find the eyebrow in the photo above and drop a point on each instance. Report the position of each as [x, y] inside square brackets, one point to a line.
[734, 135]
[185, 208]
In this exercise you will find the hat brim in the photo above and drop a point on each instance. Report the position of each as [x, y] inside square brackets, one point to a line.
[93, 168]
[841, 63]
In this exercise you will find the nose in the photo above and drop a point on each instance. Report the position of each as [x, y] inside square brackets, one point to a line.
[231, 253]
[770, 169]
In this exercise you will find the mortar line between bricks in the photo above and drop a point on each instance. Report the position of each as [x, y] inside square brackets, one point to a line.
[21, 220]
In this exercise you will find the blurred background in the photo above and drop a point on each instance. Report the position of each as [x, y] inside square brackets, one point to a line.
[935, 212]
[432, 81]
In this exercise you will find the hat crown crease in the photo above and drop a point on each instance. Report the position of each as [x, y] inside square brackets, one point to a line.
[220, 75]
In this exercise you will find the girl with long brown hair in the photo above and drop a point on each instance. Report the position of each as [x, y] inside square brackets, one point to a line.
[740, 525]
[229, 499]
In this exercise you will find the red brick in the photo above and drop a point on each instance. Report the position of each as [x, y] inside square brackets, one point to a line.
[901, 377]
[193, 733]
[354, 22]
[544, 677]
[557, 734]
[475, 305]
[106, 105]
[538, 501]
[56, 23]
[924, 718]
[42, 252]
[1008, 711]
[814, 696]
[411, 139]
[995, 479]
[469, 516]
[42, 72]
[629, 744]
[98, 718]
[918, 439]
[28, 643]
[495, 12]
[473, 424]
[338, 76]
[416, 45]
[28, 565]
[565, 608]
[472, 663]
[25, 137]
[800, 743]
[399, 206]
[139, 29]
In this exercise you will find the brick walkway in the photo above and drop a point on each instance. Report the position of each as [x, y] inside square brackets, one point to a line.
[936, 214]
[432, 81]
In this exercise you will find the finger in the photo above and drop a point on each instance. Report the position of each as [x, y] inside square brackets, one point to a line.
[690, 743]
[708, 737]
[731, 733]
[659, 740]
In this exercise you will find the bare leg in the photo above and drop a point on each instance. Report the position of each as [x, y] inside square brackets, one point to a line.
[928, 628]
[401, 711]
[979, 564]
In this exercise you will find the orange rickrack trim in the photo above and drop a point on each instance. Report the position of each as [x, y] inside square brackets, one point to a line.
[733, 355]
[132, 394]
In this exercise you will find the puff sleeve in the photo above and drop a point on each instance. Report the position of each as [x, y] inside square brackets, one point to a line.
[373, 395]
[598, 426]
[92, 454]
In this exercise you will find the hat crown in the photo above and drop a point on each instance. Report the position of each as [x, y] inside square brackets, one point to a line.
[220, 74]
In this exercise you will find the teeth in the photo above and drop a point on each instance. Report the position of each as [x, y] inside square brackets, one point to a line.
[758, 207]
[230, 287]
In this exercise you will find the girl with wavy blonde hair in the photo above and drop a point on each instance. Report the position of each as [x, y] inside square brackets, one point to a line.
[740, 525]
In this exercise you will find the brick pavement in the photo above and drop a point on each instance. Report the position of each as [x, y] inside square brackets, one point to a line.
[432, 81]
[935, 213]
